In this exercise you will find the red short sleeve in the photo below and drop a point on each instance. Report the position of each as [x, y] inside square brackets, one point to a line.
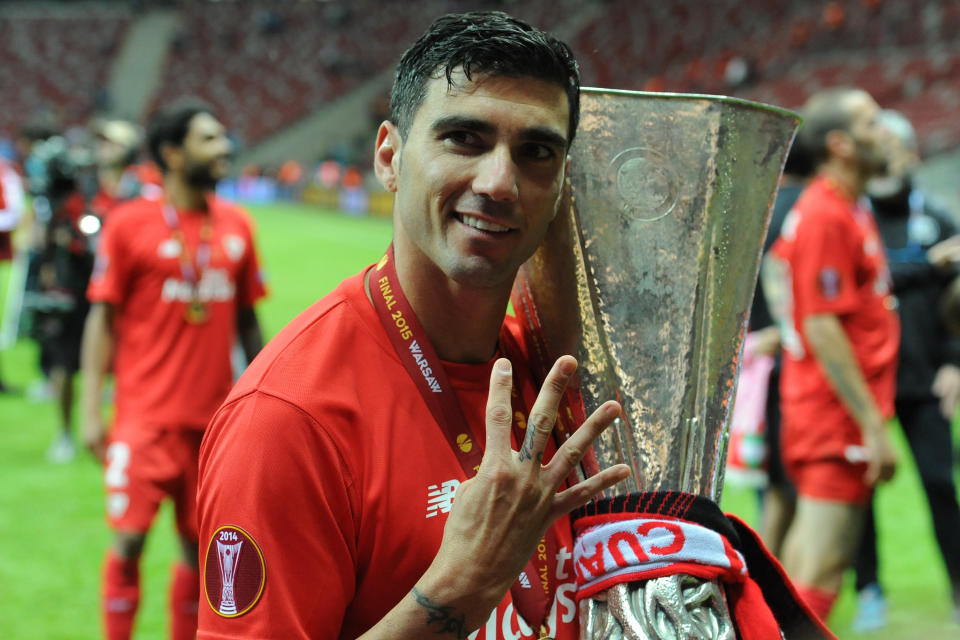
[824, 266]
[250, 284]
[111, 269]
[267, 469]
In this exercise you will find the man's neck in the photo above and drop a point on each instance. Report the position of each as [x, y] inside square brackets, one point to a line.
[109, 178]
[462, 323]
[847, 178]
[182, 195]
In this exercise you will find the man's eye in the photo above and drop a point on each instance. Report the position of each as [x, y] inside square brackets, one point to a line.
[538, 152]
[461, 138]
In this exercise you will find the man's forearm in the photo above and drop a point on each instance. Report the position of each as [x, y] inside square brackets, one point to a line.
[95, 353]
[834, 352]
[249, 333]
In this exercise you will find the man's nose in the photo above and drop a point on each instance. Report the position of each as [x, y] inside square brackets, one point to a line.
[497, 176]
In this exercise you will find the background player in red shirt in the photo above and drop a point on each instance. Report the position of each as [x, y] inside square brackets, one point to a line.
[840, 335]
[173, 288]
[334, 497]
[11, 211]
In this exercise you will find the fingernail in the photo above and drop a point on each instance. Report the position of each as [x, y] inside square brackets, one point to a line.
[504, 365]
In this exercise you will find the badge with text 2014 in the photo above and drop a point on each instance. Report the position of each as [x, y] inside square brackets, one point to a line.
[233, 572]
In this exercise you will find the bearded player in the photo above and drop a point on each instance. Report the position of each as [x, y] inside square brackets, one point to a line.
[174, 286]
[840, 336]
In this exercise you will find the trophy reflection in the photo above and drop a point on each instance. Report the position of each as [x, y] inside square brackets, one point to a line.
[647, 277]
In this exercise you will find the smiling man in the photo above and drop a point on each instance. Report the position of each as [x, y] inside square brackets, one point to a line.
[173, 288]
[387, 467]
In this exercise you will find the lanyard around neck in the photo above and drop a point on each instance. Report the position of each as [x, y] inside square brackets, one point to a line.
[532, 596]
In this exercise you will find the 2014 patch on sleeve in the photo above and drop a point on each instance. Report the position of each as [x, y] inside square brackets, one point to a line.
[233, 572]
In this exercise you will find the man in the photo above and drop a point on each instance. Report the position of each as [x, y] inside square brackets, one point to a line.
[58, 275]
[928, 375]
[342, 488]
[778, 497]
[174, 287]
[839, 337]
[119, 178]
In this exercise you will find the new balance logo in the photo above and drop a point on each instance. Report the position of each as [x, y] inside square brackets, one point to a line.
[440, 497]
[524, 580]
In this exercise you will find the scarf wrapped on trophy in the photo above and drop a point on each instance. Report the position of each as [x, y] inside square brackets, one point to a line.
[646, 277]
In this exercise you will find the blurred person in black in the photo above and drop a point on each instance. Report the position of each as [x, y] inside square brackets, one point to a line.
[928, 376]
[779, 497]
[60, 266]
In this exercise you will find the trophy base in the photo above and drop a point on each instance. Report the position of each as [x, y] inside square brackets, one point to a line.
[677, 607]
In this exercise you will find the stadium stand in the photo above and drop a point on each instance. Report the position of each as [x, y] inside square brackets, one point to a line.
[905, 53]
[268, 65]
[55, 62]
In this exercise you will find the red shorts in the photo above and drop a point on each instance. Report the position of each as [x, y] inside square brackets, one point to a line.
[831, 479]
[145, 466]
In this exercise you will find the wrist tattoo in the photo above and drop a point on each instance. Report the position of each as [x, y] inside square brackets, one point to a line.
[443, 619]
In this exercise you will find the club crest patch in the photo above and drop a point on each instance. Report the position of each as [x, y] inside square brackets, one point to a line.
[233, 572]
[829, 280]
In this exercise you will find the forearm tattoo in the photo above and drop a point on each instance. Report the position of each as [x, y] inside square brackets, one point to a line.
[443, 620]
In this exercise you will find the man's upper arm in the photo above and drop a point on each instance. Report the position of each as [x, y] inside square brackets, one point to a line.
[111, 268]
[824, 267]
[270, 475]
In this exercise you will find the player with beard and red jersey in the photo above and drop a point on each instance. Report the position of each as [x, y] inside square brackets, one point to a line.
[387, 468]
[839, 333]
[174, 286]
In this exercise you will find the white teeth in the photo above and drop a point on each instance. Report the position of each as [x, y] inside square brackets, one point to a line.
[483, 225]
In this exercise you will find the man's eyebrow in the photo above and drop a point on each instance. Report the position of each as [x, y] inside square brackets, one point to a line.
[543, 135]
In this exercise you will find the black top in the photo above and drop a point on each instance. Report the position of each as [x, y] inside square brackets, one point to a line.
[909, 225]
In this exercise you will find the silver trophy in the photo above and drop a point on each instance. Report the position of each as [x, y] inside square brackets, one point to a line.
[647, 277]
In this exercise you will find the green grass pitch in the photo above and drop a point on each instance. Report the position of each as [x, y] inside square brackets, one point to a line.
[52, 529]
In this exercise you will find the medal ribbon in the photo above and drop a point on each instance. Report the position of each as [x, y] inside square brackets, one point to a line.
[190, 274]
[532, 598]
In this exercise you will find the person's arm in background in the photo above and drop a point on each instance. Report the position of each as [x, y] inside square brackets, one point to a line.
[834, 352]
[248, 332]
[96, 351]
[946, 383]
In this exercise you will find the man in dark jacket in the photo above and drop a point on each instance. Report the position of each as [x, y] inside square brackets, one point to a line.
[928, 376]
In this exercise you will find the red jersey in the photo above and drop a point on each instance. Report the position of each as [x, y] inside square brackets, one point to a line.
[170, 371]
[830, 259]
[327, 469]
[11, 207]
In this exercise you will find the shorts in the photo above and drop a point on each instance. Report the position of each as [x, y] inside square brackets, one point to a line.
[831, 479]
[146, 465]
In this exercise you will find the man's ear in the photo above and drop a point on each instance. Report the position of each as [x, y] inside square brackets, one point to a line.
[386, 158]
[172, 156]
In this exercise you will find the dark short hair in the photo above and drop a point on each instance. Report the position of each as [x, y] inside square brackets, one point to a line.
[482, 42]
[169, 125]
[825, 111]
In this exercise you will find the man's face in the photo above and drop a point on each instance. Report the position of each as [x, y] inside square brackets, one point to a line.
[109, 154]
[206, 152]
[478, 177]
[868, 134]
[900, 162]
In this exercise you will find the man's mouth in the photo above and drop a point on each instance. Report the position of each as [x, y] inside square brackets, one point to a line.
[481, 224]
